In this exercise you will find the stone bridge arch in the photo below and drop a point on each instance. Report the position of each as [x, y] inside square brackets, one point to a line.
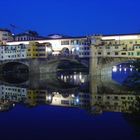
[11, 65]
[103, 65]
[24, 62]
[48, 65]
[52, 65]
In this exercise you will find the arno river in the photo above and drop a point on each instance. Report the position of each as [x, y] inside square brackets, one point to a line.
[71, 105]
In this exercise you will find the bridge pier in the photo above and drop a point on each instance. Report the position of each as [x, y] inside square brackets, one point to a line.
[97, 68]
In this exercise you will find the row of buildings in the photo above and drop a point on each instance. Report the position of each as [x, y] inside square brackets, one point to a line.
[22, 51]
[6, 35]
[124, 45]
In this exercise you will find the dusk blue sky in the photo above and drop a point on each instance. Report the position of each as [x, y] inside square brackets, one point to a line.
[72, 17]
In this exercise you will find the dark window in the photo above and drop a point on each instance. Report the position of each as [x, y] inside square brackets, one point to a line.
[116, 97]
[108, 97]
[107, 47]
[116, 53]
[65, 102]
[99, 97]
[122, 97]
[64, 42]
[138, 53]
[123, 53]
[41, 54]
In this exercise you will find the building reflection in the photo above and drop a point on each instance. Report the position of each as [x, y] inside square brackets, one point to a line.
[74, 93]
[10, 96]
[115, 103]
[104, 95]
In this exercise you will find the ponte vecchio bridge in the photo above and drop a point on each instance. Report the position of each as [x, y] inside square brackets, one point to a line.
[108, 51]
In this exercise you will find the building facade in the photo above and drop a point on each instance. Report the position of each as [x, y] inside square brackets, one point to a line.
[22, 51]
[12, 52]
[106, 46]
[5, 36]
[118, 46]
[27, 36]
[116, 103]
[79, 46]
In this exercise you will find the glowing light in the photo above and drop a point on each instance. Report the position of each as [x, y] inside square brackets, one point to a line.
[124, 37]
[82, 80]
[72, 95]
[65, 79]
[77, 48]
[80, 76]
[131, 69]
[77, 100]
[125, 69]
[120, 69]
[48, 97]
[61, 77]
[48, 49]
[114, 69]
[74, 77]
[73, 49]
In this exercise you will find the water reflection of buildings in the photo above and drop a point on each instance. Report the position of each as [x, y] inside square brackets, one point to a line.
[58, 99]
[105, 95]
[10, 96]
[74, 78]
[98, 103]
[115, 103]
[15, 94]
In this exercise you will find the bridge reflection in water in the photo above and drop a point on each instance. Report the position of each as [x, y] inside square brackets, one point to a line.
[74, 89]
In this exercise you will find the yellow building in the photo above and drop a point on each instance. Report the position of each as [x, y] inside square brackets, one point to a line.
[32, 97]
[32, 51]
[39, 50]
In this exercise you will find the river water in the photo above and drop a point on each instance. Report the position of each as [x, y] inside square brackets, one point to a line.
[71, 105]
